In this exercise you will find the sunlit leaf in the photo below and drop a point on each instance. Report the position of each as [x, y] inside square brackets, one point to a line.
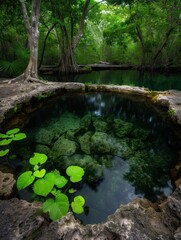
[40, 173]
[38, 158]
[13, 131]
[24, 180]
[5, 142]
[51, 177]
[58, 207]
[71, 190]
[60, 181]
[75, 173]
[19, 136]
[42, 187]
[3, 135]
[4, 152]
[77, 204]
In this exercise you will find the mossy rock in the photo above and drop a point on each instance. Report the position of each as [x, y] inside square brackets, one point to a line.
[85, 142]
[85, 121]
[66, 122]
[63, 147]
[121, 128]
[44, 136]
[140, 133]
[101, 143]
[100, 125]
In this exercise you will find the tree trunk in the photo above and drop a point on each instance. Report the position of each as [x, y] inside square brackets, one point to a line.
[67, 62]
[164, 43]
[140, 37]
[31, 72]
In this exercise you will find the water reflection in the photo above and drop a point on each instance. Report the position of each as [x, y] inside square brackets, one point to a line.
[123, 145]
[154, 81]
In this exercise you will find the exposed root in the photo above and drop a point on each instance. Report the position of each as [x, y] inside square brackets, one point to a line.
[22, 78]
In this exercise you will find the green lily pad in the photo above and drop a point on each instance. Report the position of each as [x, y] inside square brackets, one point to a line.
[71, 190]
[38, 158]
[3, 135]
[40, 173]
[36, 167]
[75, 173]
[5, 142]
[13, 131]
[77, 204]
[24, 180]
[58, 207]
[42, 187]
[60, 181]
[4, 152]
[51, 177]
[19, 136]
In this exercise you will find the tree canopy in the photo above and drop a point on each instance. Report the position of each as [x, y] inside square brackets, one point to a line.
[73, 32]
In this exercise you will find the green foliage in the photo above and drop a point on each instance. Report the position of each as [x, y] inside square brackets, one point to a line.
[6, 139]
[75, 173]
[50, 186]
[172, 112]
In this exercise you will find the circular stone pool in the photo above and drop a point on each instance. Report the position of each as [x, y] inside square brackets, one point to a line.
[123, 145]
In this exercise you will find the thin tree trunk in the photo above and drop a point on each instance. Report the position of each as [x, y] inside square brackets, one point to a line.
[139, 33]
[164, 43]
[44, 44]
[81, 24]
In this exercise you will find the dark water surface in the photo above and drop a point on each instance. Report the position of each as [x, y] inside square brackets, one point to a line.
[154, 81]
[123, 145]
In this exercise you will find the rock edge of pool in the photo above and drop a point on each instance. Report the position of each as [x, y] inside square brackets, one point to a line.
[140, 219]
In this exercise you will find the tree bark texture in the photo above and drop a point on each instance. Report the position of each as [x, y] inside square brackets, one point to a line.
[31, 27]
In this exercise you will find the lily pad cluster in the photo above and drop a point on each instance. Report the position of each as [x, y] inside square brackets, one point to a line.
[52, 186]
[7, 138]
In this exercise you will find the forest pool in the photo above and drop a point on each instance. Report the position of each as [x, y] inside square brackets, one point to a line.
[124, 147]
[154, 81]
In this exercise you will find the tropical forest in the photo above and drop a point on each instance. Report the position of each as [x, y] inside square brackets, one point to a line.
[90, 119]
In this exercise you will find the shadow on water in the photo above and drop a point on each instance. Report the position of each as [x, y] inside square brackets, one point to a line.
[153, 81]
[123, 145]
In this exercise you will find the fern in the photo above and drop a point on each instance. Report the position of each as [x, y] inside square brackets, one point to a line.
[16, 66]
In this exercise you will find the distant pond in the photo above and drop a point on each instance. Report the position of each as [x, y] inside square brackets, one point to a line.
[123, 145]
[154, 81]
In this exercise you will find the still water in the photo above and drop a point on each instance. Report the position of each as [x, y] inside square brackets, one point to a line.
[124, 147]
[154, 81]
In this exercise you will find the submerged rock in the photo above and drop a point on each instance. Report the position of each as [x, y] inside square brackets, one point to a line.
[44, 136]
[99, 124]
[63, 147]
[121, 128]
[85, 142]
[101, 143]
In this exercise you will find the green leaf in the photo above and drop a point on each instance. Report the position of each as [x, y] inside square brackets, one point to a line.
[71, 190]
[40, 173]
[58, 207]
[50, 177]
[3, 135]
[38, 158]
[13, 131]
[24, 180]
[5, 142]
[60, 181]
[42, 187]
[4, 152]
[75, 173]
[36, 167]
[77, 204]
[19, 136]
